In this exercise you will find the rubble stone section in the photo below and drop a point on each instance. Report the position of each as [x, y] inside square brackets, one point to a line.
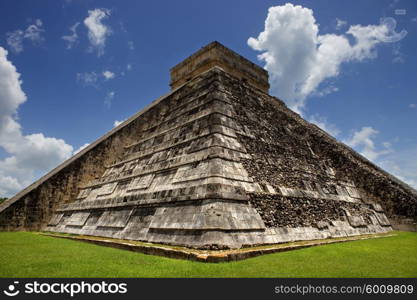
[215, 164]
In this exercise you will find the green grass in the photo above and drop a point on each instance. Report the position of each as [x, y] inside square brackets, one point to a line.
[27, 254]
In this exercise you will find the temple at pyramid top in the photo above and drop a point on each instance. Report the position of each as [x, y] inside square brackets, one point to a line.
[215, 54]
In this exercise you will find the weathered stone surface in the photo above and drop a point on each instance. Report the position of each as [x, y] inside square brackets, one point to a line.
[217, 163]
[215, 54]
[283, 211]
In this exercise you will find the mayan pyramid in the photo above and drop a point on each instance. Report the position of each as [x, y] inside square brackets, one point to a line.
[216, 163]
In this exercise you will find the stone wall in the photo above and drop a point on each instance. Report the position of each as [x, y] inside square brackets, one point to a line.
[288, 152]
[215, 54]
[278, 211]
[31, 208]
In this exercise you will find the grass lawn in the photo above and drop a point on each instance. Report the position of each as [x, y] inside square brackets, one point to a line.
[28, 254]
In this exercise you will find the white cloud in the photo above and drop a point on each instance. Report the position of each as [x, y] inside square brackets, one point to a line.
[402, 164]
[93, 78]
[325, 125]
[340, 23]
[88, 78]
[15, 40]
[97, 31]
[387, 145]
[128, 68]
[398, 60]
[29, 155]
[109, 98]
[398, 55]
[400, 12]
[325, 91]
[33, 33]
[117, 123]
[131, 45]
[414, 19]
[412, 105]
[81, 148]
[299, 59]
[11, 94]
[72, 39]
[363, 141]
[108, 75]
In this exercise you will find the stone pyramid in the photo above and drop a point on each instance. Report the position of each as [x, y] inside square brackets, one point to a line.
[216, 163]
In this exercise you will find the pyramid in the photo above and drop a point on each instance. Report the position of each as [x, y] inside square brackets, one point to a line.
[216, 163]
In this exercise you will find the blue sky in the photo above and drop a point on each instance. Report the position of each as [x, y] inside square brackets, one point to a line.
[348, 66]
